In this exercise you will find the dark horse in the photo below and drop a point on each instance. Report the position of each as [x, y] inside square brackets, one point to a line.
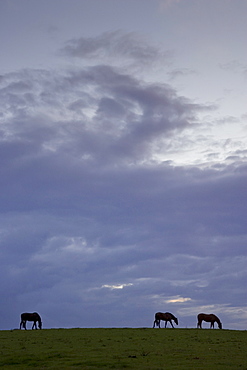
[208, 318]
[30, 317]
[165, 317]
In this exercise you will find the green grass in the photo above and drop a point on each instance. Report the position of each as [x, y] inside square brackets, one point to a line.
[124, 348]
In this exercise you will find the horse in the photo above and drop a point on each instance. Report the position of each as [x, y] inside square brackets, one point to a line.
[208, 318]
[35, 317]
[165, 317]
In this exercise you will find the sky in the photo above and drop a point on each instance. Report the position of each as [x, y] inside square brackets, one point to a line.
[123, 132]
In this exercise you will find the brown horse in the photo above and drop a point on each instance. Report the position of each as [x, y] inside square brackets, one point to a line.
[30, 317]
[208, 318]
[165, 317]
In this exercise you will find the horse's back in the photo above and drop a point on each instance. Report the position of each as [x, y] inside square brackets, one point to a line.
[24, 315]
[201, 316]
[159, 316]
[30, 316]
[163, 316]
[207, 317]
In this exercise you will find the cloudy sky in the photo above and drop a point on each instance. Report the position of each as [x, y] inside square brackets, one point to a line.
[123, 132]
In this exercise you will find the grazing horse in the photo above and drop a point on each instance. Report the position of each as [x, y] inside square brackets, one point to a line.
[30, 317]
[208, 318]
[165, 317]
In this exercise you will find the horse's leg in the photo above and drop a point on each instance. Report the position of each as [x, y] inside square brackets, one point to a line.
[171, 324]
[21, 323]
[34, 325]
[199, 324]
[165, 324]
[155, 323]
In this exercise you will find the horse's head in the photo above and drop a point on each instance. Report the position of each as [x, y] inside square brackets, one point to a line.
[40, 324]
[220, 325]
[176, 320]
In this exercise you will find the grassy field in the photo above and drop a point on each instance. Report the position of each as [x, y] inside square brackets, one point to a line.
[124, 348]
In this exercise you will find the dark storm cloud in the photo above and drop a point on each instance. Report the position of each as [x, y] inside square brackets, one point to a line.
[120, 118]
[92, 222]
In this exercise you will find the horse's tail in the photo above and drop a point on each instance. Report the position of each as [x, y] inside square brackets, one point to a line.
[157, 315]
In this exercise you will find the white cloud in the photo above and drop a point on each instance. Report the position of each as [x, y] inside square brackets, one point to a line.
[177, 299]
[118, 286]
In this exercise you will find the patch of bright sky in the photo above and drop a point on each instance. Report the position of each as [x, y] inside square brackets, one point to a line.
[118, 286]
[173, 299]
[177, 299]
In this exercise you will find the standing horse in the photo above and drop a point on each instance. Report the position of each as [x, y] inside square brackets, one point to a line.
[208, 318]
[30, 317]
[165, 317]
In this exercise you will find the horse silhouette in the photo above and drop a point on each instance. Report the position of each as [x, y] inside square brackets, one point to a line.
[167, 317]
[35, 317]
[208, 318]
